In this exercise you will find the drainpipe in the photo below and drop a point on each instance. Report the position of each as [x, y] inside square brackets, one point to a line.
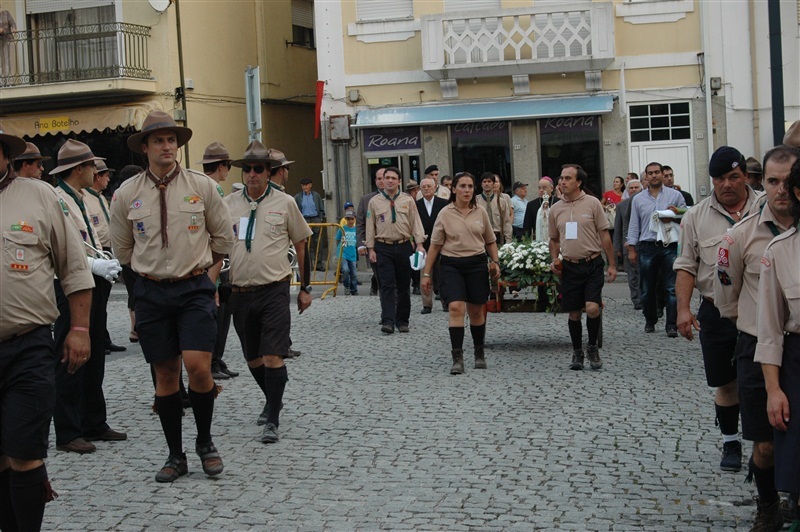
[183, 82]
[776, 71]
[754, 72]
[704, 24]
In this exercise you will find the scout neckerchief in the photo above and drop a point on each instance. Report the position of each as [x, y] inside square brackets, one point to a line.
[8, 178]
[96, 194]
[248, 235]
[391, 203]
[770, 223]
[79, 202]
[162, 191]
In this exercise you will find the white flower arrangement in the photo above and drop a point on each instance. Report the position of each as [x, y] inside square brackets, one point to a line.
[527, 263]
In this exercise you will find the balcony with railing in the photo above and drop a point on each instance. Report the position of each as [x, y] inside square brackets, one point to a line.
[554, 38]
[102, 51]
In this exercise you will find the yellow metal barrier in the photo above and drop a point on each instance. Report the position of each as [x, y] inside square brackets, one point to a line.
[323, 253]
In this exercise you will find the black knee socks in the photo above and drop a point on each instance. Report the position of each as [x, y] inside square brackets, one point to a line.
[593, 329]
[275, 379]
[456, 337]
[259, 375]
[728, 419]
[478, 333]
[575, 333]
[28, 497]
[170, 411]
[765, 483]
[7, 519]
[203, 409]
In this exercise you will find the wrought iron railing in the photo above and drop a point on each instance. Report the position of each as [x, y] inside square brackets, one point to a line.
[72, 53]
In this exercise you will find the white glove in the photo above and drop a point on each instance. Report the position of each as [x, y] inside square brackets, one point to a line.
[107, 269]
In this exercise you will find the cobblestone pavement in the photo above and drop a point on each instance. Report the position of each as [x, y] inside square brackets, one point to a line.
[377, 435]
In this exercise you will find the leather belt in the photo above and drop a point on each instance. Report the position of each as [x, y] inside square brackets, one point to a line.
[655, 243]
[21, 333]
[583, 261]
[392, 242]
[193, 273]
[245, 289]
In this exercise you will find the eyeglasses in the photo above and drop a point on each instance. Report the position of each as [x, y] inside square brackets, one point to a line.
[259, 168]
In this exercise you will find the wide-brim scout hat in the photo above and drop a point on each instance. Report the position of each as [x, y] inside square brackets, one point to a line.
[279, 157]
[15, 146]
[31, 153]
[256, 153]
[155, 121]
[792, 137]
[71, 154]
[103, 167]
[215, 152]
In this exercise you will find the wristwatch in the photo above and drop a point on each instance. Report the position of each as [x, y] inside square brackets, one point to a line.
[306, 289]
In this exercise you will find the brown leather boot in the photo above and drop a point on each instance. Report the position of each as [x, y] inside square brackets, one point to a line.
[458, 362]
[480, 360]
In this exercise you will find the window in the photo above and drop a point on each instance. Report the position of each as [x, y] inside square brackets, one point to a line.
[572, 139]
[303, 23]
[384, 10]
[479, 147]
[659, 122]
[470, 5]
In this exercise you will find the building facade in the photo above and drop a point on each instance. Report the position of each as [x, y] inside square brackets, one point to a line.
[521, 87]
[93, 69]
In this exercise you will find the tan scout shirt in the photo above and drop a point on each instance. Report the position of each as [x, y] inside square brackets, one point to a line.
[588, 212]
[739, 266]
[97, 216]
[40, 240]
[702, 229]
[462, 235]
[198, 222]
[379, 220]
[499, 224]
[778, 296]
[278, 222]
[87, 233]
[442, 192]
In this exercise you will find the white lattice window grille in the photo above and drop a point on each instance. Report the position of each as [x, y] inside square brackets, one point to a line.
[552, 35]
[660, 121]
[372, 10]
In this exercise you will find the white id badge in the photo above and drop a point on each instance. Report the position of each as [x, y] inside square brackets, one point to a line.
[243, 223]
[572, 231]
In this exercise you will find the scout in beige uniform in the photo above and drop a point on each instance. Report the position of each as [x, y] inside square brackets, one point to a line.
[392, 221]
[29, 163]
[578, 230]
[266, 221]
[80, 414]
[736, 295]
[463, 235]
[171, 225]
[778, 348]
[702, 230]
[498, 207]
[39, 242]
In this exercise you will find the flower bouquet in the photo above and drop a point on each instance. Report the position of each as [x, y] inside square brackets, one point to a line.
[526, 264]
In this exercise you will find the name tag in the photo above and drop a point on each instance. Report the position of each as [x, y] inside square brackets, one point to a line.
[243, 223]
[572, 231]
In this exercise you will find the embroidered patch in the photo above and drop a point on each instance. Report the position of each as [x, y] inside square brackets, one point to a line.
[765, 261]
[63, 207]
[95, 219]
[140, 228]
[114, 197]
[193, 199]
[382, 219]
[194, 219]
[727, 238]
[19, 254]
[221, 193]
[235, 229]
[22, 226]
[194, 227]
[19, 267]
[136, 204]
[724, 278]
[85, 235]
[722, 257]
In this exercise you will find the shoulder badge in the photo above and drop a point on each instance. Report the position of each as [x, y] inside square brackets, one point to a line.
[63, 207]
[765, 261]
[723, 258]
[724, 278]
[221, 193]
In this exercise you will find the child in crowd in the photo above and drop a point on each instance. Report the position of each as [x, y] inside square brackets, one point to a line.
[346, 238]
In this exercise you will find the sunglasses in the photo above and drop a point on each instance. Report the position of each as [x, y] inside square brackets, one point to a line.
[226, 164]
[259, 168]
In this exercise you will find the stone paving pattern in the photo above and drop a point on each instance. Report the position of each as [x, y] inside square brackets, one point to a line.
[376, 434]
